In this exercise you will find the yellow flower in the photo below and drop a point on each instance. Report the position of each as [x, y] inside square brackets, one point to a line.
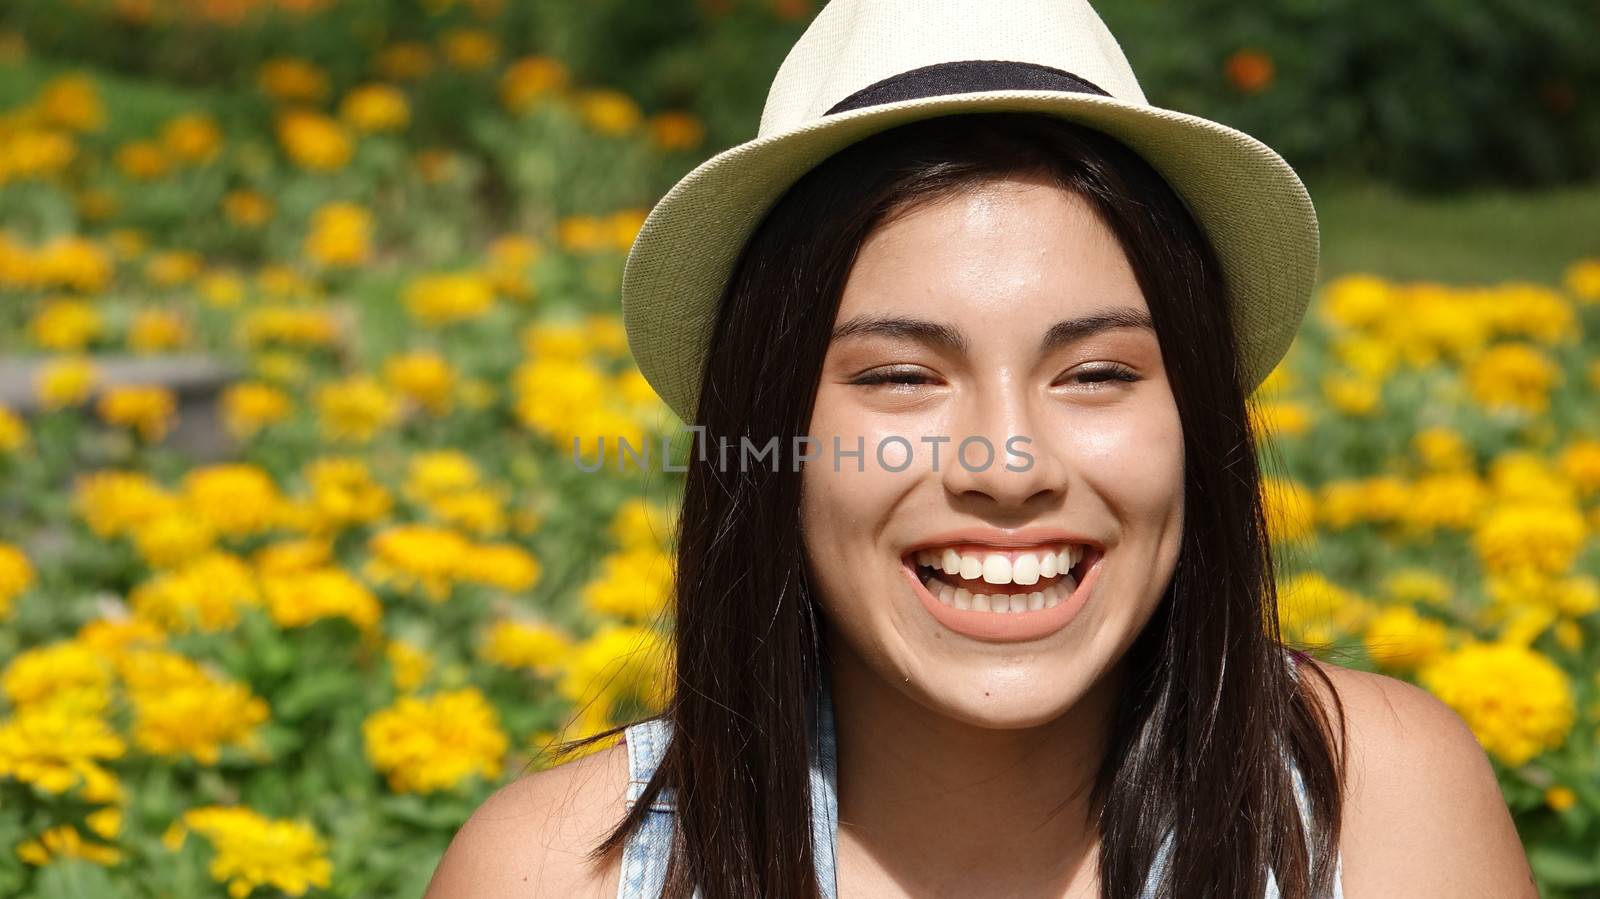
[291, 80]
[341, 235]
[1442, 449]
[1285, 419]
[73, 102]
[1416, 586]
[502, 565]
[65, 382]
[472, 49]
[1341, 504]
[207, 595]
[285, 325]
[145, 160]
[641, 524]
[422, 745]
[64, 841]
[1445, 501]
[423, 377]
[57, 748]
[375, 107]
[254, 851]
[250, 406]
[1291, 515]
[1582, 280]
[443, 299]
[290, 556]
[1371, 357]
[1512, 376]
[300, 598]
[236, 499]
[13, 431]
[181, 710]
[35, 154]
[510, 257]
[1312, 609]
[535, 645]
[623, 669]
[607, 111]
[1517, 701]
[247, 208]
[676, 130]
[529, 80]
[16, 577]
[1560, 798]
[1532, 311]
[354, 409]
[433, 475]
[156, 330]
[65, 325]
[114, 503]
[404, 61]
[1356, 301]
[192, 138]
[1538, 538]
[173, 538]
[624, 226]
[314, 141]
[1398, 638]
[148, 409]
[1521, 476]
[174, 268]
[1580, 462]
[1352, 394]
[409, 665]
[418, 557]
[634, 585]
[222, 290]
[343, 493]
[64, 674]
[477, 511]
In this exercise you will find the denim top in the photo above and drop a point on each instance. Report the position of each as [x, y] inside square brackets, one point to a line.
[644, 857]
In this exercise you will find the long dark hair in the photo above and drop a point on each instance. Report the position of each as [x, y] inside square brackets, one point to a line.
[1210, 706]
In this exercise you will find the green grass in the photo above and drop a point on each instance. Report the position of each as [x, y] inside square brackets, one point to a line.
[1479, 237]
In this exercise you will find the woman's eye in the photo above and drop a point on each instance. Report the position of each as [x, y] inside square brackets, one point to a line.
[1106, 373]
[898, 376]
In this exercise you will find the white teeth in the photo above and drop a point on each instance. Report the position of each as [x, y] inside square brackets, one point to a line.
[1025, 570]
[1051, 570]
[997, 569]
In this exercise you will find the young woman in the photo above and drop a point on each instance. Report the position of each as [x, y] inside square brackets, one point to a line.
[913, 667]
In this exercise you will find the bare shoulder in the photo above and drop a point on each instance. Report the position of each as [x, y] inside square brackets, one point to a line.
[532, 837]
[1424, 815]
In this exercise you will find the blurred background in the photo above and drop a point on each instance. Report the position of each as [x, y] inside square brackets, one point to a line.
[302, 303]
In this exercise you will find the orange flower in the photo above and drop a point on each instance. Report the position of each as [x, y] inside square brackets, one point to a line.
[1249, 71]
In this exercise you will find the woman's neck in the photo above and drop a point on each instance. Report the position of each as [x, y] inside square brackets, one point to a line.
[933, 806]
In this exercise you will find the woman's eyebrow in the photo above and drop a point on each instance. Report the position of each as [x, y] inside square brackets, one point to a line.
[944, 336]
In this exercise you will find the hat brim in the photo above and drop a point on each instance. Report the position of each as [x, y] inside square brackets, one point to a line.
[1250, 202]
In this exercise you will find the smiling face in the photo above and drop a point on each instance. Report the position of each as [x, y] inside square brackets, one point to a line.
[1007, 313]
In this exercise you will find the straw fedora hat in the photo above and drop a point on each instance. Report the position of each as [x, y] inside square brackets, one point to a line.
[864, 66]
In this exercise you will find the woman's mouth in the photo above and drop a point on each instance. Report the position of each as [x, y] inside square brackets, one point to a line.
[1004, 594]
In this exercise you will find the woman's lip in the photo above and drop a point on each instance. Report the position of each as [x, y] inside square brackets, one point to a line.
[1006, 627]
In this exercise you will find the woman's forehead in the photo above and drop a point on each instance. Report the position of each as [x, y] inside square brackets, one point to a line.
[996, 255]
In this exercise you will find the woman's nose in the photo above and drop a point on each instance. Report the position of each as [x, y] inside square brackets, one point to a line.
[1002, 447]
